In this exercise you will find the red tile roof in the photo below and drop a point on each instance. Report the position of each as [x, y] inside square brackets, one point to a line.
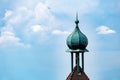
[74, 75]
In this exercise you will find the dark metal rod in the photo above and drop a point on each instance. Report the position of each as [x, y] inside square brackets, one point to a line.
[71, 61]
[78, 64]
[78, 67]
[83, 61]
[76, 59]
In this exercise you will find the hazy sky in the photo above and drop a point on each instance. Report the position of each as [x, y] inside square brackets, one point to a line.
[33, 38]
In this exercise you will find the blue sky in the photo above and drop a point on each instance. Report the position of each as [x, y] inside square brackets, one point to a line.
[33, 38]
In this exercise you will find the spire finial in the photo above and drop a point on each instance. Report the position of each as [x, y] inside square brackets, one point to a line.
[77, 21]
[76, 15]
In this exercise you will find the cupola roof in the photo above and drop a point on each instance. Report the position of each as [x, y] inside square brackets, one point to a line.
[77, 40]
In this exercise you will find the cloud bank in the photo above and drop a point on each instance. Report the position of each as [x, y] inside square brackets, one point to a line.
[24, 22]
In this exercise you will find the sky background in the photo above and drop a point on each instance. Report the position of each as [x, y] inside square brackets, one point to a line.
[33, 38]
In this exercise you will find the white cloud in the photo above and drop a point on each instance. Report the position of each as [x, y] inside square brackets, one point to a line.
[29, 22]
[59, 32]
[36, 28]
[8, 13]
[41, 10]
[104, 30]
[8, 39]
[43, 15]
[17, 16]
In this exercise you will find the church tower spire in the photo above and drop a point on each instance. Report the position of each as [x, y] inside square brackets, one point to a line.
[77, 43]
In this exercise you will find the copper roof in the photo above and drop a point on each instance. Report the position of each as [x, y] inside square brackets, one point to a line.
[77, 40]
[74, 75]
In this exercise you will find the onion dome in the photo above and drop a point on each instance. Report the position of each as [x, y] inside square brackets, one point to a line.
[77, 40]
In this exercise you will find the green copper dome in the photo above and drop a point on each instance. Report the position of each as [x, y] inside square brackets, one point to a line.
[77, 40]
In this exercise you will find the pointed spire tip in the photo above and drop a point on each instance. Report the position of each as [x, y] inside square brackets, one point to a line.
[77, 21]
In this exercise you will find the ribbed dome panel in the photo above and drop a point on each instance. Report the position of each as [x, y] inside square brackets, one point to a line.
[77, 40]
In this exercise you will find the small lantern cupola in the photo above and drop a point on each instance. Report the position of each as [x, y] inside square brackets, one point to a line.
[77, 43]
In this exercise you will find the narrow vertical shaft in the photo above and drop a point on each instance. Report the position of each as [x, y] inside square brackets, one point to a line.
[78, 66]
[83, 62]
[76, 59]
[71, 61]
